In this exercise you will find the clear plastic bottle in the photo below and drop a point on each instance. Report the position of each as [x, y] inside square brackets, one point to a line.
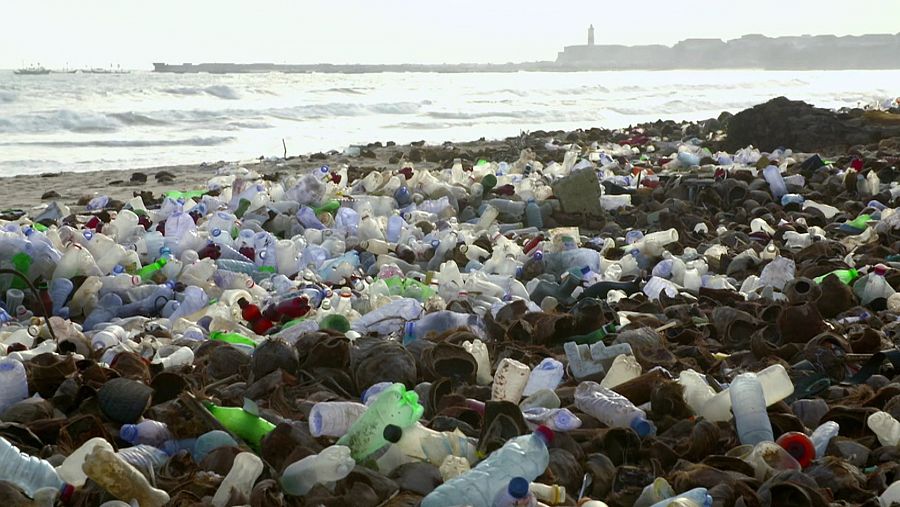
[516, 494]
[29, 473]
[123, 481]
[749, 406]
[525, 456]
[611, 408]
[696, 497]
[546, 375]
[394, 405]
[13, 383]
[885, 427]
[822, 435]
[145, 432]
[776, 386]
[240, 479]
[145, 457]
[331, 464]
[873, 285]
[557, 419]
[772, 174]
[696, 390]
[334, 418]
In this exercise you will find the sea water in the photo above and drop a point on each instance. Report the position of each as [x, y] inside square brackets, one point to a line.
[86, 122]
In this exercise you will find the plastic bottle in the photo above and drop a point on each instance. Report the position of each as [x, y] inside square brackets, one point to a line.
[331, 464]
[776, 385]
[557, 419]
[334, 418]
[525, 456]
[509, 380]
[479, 351]
[122, 480]
[546, 375]
[590, 361]
[822, 435]
[749, 406]
[553, 494]
[13, 383]
[240, 479]
[696, 390]
[612, 408]
[145, 432]
[846, 276]
[516, 494]
[182, 356]
[873, 285]
[776, 182]
[210, 441]
[885, 427]
[144, 457]
[70, 470]
[394, 405]
[249, 427]
[425, 444]
[29, 473]
[696, 497]
[799, 446]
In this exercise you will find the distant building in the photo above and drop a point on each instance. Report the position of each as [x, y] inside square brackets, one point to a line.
[881, 51]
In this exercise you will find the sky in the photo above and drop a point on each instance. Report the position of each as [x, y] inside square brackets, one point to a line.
[134, 34]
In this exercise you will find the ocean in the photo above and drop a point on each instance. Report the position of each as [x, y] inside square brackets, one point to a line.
[88, 122]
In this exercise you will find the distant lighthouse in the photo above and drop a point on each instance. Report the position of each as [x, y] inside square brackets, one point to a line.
[591, 36]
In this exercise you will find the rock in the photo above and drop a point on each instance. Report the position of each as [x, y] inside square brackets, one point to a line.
[139, 178]
[164, 175]
[792, 123]
[579, 192]
[52, 194]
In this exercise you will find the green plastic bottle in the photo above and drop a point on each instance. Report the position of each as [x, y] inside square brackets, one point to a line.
[330, 206]
[488, 182]
[408, 287]
[243, 206]
[250, 427]
[860, 222]
[335, 322]
[236, 338]
[846, 276]
[22, 263]
[395, 405]
[594, 336]
[147, 272]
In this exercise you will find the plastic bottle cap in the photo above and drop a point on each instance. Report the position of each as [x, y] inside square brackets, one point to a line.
[642, 426]
[128, 432]
[518, 487]
[799, 446]
[392, 433]
[545, 433]
[880, 269]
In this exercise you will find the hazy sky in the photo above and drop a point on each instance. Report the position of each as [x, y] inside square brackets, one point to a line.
[134, 34]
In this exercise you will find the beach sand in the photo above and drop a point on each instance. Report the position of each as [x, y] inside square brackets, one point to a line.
[25, 192]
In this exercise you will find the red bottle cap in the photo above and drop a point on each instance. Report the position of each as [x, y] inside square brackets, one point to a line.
[799, 446]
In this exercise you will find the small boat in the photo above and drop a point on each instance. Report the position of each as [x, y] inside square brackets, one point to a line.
[31, 71]
[110, 70]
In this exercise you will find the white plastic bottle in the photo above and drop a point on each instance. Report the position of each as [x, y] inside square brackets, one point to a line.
[885, 427]
[240, 479]
[331, 464]
[509, 380]
[546, 375]
[333, 418]
[776, 385]
[13, 383]
[624, 368]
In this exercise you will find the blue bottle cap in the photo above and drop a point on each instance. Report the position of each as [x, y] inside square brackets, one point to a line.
[118, 269]
[216, 232]
[642, 426]
[518, 487]
[128, 433]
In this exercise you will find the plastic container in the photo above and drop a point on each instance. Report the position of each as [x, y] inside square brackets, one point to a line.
[525, 456]
[592, 361]
[70, 470]
[479, 351]
[822, 435]
[509, 380]
[611, 408]
[13, 383]
[29, 473]
[546, 375]
[624, 368]
[776, 385]
[240, 479]
[394, 405]
[112, 473]
[749, 406]
[885, 427]
[331, 464]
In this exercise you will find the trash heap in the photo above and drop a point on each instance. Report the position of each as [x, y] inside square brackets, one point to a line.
[626, 322]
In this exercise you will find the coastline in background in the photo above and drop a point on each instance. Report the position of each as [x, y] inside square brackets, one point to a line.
[84, 122]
